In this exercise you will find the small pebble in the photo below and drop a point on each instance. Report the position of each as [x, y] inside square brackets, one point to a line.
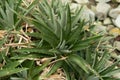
[102, 0]
[109, 27]
[117, 21]
[114, 12]
[116, 75]
[66, 1]
[118, 1]
[74, 7]
[102, 10]
[107, 21]
[100, 29]
[115, 31]
[88, 15]
[117, 45]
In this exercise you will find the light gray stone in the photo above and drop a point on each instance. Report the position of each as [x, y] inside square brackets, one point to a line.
[102, 10]
[74, 6]
[117, 21]
[117, 75]
[100, 29]
[114, 31]
[102, 0]
[118, 1]
[66, 1]
[117, 45]
[87, 14]
[114, 12]
[107, 21]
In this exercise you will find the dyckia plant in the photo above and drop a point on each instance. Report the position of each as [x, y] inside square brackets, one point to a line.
[61, 38]
[58, 41]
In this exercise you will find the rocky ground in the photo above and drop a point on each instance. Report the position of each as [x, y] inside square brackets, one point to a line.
[105, 15]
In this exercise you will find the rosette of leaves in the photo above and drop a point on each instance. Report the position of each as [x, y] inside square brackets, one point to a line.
[60, 37]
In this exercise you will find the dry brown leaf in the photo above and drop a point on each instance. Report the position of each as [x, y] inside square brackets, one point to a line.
[1, 65]
[2, 33]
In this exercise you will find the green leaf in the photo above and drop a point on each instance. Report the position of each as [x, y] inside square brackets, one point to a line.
[79, 47]
[85, 43]
[89, 40]
[79, 61]
[68, 25]
[76, 33]
[35, 35]
[76, 18]
[66, 71]
[54, 68]
[2, 42]
[59, 31]
[109, 68]
[13, 64]
[44, 5]
[51, 38]
[38, 69]
[111, 78]
[92, 78]
[112, 72]
[31, 7]
[75, 68]
[17, 78]
[27, 56]
[101, 63]
[10, 71]
[32, 50]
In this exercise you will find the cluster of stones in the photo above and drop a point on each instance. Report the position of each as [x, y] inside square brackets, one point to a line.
[104, 14]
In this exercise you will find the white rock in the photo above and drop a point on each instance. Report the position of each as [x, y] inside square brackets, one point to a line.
[102, 10]
[117, 75]
[93, 8]
[107, 21]
[114, 12]
[93, 78]
[117, 45]
[74, 6]
[109, 27]
[100, 15]
[102, 0]
[117, 21]
[118, 1]
[66, 1]
[87, 14]
[103, 7]
[82, 1]
[100, 29]
[114, 31]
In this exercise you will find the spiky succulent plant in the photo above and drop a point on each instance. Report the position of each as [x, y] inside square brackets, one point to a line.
[59, 41]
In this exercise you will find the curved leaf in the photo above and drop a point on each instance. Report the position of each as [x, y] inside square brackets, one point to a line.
[10, 71]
